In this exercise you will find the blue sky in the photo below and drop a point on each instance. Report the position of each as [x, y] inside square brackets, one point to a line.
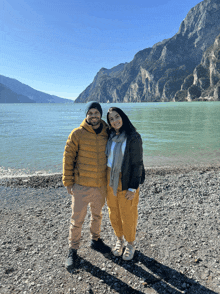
[58, 46]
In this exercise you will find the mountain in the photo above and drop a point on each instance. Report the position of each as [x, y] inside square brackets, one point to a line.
[8, 96]
[204, 83]
[166, 71]
[22, 93]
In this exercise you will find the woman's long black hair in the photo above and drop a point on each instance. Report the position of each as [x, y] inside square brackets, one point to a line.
[127, 125]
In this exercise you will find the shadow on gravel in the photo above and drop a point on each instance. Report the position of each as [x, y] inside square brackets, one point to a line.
[105, 278]
[161, 278]
[176, 280]
[157, 276]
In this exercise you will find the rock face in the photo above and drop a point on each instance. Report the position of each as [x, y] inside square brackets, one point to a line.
[182, 68]
[204, 83]
[13, 91]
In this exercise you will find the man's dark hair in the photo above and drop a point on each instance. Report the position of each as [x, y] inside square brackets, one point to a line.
[127, 125]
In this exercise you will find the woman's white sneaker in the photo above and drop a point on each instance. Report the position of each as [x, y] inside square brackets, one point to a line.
[129, 252]
[118, 249]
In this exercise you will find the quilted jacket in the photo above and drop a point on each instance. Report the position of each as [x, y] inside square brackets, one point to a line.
[84, 159]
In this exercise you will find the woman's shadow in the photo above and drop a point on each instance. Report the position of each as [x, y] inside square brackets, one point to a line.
[157, 276]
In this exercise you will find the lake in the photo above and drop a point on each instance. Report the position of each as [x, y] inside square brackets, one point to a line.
[33, 136]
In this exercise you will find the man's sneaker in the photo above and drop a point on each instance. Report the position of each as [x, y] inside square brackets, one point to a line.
[71, 259]
[100, 246]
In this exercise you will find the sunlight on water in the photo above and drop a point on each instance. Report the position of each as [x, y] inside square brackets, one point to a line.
[33, 136]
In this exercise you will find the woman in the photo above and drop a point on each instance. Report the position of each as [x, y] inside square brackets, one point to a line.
[125, 173]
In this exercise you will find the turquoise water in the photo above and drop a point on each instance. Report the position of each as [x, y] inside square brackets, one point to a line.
[33, 136]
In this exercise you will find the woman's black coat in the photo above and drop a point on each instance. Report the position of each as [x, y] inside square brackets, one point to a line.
[133, 173]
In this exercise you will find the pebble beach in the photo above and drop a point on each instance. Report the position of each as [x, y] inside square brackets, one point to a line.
[177, 241]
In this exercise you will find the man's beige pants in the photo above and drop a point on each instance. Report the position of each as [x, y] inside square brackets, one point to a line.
[83, 196]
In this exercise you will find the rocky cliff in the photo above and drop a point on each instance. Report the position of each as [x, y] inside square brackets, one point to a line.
[204, 83]
[181, 68]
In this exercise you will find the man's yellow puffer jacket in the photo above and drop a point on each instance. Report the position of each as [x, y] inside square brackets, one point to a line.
[84, 159]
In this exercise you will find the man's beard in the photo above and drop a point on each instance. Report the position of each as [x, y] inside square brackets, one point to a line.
[94, 123]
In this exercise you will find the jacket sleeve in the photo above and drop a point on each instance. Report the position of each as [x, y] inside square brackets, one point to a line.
[136, 157]
[69, 158]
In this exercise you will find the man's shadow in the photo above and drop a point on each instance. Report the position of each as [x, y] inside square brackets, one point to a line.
[160, 277]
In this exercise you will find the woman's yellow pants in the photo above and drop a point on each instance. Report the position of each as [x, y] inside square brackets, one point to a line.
[123, 213]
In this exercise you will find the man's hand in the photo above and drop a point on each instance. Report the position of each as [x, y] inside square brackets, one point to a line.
[129, 195]
[70, 189]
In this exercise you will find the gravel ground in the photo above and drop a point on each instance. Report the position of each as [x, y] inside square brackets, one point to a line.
[177, 238]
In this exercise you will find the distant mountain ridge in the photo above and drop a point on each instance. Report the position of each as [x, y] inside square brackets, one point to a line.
[13, 91]
[8, 96]
[167, 71]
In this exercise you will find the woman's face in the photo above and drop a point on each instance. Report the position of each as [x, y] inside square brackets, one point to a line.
[115, 120]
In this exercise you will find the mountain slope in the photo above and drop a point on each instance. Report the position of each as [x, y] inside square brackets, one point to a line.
[204, 83]
[157, 73]
[8, 96]
[32, 94]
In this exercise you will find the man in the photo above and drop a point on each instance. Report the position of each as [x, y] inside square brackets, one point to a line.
[84, 175]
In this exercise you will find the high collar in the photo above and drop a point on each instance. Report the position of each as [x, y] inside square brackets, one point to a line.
[90, 129]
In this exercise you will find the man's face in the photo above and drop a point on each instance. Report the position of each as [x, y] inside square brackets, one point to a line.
[94, 118]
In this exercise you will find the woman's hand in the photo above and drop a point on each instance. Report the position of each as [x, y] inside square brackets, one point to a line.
[70, 190]
[129, 195]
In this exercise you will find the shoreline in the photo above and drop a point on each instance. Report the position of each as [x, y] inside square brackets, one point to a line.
[54, 180]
